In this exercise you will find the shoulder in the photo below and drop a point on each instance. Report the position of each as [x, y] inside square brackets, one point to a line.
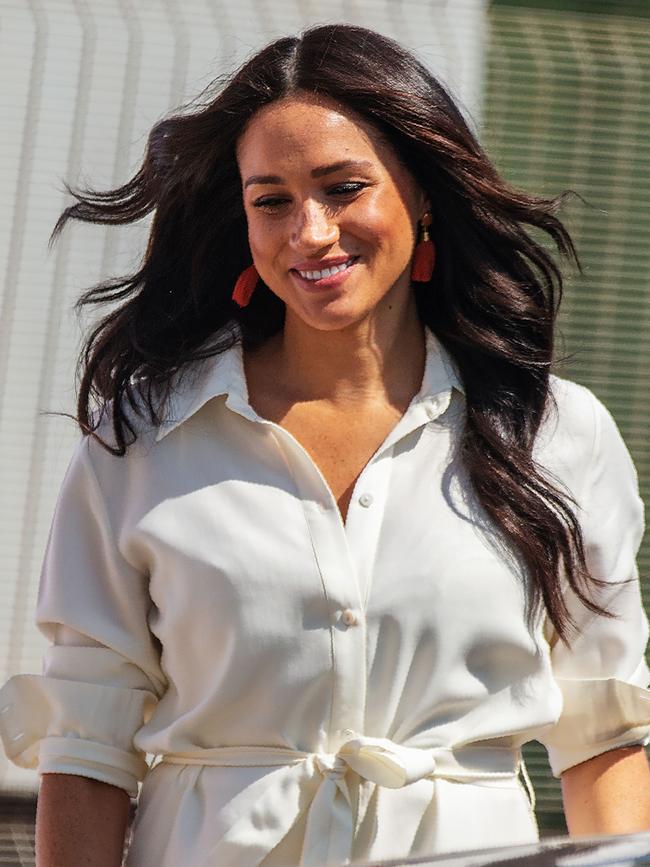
[578, 436]
[573, 414]
[580, 446]
[117, 489]
[139, 430]
[96, 473]
[141, 417]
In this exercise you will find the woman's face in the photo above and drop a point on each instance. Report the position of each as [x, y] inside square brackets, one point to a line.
[332, 213]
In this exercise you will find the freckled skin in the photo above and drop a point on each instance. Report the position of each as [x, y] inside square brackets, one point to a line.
[304, 218]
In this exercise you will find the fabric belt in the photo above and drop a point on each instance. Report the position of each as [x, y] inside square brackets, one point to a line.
[264, 812]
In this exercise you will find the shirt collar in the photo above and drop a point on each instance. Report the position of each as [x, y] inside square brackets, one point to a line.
[224, 375]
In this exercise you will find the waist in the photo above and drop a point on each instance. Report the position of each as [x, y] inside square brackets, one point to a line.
[379, 760]
[317, 784]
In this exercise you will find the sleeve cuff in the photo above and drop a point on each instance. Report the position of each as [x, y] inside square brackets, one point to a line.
[63, 726]
[89, 759]
[598, 716]
[561, 760]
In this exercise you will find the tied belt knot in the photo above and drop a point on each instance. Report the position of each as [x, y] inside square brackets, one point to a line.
[315, 785]
[377, 760]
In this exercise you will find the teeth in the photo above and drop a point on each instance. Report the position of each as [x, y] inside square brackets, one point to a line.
[326, 272]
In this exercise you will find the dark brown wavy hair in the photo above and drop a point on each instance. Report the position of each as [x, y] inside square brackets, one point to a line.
[492, 300]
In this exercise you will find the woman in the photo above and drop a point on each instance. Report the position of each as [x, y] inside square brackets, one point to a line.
[336, 544]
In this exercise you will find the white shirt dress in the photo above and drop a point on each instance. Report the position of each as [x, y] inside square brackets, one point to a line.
[318, 692]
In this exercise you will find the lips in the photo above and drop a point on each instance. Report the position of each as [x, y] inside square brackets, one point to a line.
[315, 270]
[324, 274]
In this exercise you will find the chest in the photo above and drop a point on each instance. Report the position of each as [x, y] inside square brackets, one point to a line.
[245, 542]
[340, 443]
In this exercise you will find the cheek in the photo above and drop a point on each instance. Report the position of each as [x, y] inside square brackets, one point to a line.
[388, 226]
[266, 242]
[392, 244]
[262, 239]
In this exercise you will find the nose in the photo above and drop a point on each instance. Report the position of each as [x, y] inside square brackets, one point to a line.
[314, 228]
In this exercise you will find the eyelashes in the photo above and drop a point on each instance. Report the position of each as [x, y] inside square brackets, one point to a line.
[269, 202]
[341, 192]
[347, 188]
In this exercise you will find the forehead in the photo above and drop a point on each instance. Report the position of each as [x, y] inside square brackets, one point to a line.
[304, 129]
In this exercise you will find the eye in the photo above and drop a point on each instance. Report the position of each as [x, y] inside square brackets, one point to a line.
[270, 202]
[347, 188]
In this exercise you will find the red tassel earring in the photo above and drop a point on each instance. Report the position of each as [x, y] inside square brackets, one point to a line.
[245, 286]
[424, 258]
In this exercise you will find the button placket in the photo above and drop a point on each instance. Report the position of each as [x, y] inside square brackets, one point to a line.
[365, 518]
[340, 585]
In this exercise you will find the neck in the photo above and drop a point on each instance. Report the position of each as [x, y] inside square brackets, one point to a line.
[375, 360]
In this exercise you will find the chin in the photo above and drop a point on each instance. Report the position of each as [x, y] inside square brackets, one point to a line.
[333, 317]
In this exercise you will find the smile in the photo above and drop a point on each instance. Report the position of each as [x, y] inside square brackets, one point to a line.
[328, 272]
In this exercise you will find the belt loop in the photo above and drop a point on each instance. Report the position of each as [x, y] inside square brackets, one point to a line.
[530, 791]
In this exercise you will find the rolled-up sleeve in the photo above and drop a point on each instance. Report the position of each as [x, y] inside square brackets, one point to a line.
[603, 674]
[101, 675]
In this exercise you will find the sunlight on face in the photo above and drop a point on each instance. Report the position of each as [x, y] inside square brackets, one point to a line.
[332, 213]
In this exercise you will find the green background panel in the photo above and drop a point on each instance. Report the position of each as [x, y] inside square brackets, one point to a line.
[567, 107]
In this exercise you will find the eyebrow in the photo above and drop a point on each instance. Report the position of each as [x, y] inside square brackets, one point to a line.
[318, 172]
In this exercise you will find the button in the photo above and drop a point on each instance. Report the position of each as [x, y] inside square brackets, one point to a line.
[349, 617]
[365, 500]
